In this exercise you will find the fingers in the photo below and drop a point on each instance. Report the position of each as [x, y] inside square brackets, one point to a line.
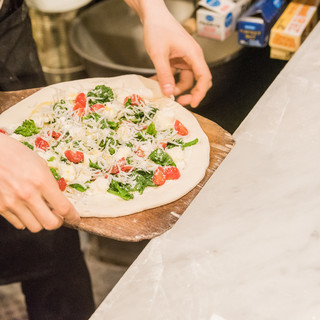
[47, 219]
[26, 217]
[13, 219]
[58, 203]
[203, 81]
[164, 74]
[186, 80]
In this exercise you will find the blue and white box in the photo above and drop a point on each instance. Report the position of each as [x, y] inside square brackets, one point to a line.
[217, 19]
[255, 24]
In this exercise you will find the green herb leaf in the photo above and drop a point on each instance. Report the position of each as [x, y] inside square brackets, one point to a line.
[160, 157]
[94, 116]
[121, 190]
[94, 165]
[51, 159]
[27, 129]
[151, 130]
[78, 187]
[190, 143]
[55, 173]
[143, 180]
[28, 145]
[100, 94]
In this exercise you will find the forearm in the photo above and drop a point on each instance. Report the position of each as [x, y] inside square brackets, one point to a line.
[148, 9]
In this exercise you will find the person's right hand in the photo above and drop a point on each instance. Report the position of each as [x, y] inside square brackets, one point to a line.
[29, 194]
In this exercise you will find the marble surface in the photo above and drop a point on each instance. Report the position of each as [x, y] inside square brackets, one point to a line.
[248, 247]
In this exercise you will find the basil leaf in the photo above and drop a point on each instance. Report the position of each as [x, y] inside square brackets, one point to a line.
[160, 157]
[55, 173]
[94, 116]
[94, 165]
[143, 180]
[51, 159]
[174, 143]
[100, 94]
[189, 144]
[121, 190]
[140, 137]
[28, 145]
[151, 130]
[78, 187]
[27, 129]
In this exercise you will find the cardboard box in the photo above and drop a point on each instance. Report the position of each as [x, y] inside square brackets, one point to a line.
[255, 24]
[280, 54]
[293, 26]
[216, 19]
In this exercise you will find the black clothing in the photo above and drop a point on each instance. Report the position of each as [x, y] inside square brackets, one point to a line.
[19, 63]
[49, 264]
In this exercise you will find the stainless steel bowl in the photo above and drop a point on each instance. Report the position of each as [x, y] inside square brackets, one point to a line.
[109, 38]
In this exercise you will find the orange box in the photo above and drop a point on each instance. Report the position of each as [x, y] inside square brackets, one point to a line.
[293, 26]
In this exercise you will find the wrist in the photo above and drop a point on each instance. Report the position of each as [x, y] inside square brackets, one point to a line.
[148, 9]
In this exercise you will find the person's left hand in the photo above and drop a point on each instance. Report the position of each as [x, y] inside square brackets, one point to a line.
[172, 49]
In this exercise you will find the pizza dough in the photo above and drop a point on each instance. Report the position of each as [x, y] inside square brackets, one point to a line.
[92, 204]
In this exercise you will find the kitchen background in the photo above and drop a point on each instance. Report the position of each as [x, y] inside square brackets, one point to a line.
[104, 38]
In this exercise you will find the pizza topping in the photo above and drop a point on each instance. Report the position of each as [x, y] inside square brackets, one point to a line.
[180, 128]
[81, 99]
[172, 173]
[160, 157]
[133, 100]
[74, 156]
[62, 184]
[27, 129]
[30, 146]
[100, 94]
[41, 144]
[118, 146]
[3, 131]
[96, 107]
[159, 177]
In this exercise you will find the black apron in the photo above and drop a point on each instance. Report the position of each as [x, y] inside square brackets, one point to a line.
[19, 63]
[24, 255]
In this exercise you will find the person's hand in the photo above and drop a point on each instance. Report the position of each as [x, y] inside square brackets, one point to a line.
[29, 194]
[172, 49]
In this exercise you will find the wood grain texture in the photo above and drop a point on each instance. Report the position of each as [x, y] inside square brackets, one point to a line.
[153, 222]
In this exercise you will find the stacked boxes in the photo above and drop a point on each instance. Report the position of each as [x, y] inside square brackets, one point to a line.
[255, 24]
[291, 29]
[216, 19]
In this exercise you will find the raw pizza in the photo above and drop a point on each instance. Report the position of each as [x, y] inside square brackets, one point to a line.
[116, 146]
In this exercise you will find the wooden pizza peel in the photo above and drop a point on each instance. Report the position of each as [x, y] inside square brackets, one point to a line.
[150, 223]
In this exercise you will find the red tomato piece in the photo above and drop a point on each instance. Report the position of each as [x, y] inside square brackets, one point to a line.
[74, 156]
[41, 144]
[159, 177]
[163, 145]
[120, 165]
[140, 153]
[114, 169]
[126, 168]
[106, 176]
[79, 109]
[180, 128]
[3, 131]
[172, 173]
[81, 99]
[62, 184]
[135, 100]
[96, 107]
[55, 135]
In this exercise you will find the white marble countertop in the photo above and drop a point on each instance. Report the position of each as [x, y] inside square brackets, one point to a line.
[248, 247]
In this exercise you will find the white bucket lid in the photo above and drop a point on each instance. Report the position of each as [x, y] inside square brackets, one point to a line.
[56, 6]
